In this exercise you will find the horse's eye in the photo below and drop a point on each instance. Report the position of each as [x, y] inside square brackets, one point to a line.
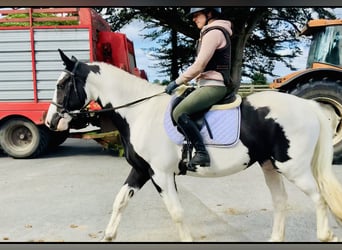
[60, 86]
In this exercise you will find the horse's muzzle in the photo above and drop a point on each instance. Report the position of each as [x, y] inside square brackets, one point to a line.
[53, 124]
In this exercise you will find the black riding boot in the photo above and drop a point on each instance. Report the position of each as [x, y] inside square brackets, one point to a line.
[191, 131]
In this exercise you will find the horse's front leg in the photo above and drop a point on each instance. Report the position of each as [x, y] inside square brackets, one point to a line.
[166, 186]
[276, 186]
[133, 183]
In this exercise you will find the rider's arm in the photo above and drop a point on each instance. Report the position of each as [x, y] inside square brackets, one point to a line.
[213, 40]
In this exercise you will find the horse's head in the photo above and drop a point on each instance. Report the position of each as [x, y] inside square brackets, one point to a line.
[70, 93]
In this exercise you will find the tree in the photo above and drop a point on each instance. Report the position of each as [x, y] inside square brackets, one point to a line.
[176, 50]
[260, 37]
[258, 78]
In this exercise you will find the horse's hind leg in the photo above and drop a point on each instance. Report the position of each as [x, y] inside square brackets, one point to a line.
[275, 183]
[133, 183]
[307, 184]
[166, 186]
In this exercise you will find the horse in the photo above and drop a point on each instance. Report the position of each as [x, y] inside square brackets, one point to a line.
[288, 136]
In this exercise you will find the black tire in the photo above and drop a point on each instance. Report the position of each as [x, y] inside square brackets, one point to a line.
[327, 92]
[21, 138]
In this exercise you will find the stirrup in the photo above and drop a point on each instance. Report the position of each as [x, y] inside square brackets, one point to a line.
[205, 162]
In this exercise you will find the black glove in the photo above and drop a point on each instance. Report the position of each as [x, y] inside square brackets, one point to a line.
[170, 87]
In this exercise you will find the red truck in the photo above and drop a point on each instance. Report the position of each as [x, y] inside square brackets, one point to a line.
[30, 66]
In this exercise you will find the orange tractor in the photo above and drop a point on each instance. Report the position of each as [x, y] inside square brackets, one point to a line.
[322, 79]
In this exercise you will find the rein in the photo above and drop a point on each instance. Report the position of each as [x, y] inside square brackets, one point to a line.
[126, 105]
[109, 109]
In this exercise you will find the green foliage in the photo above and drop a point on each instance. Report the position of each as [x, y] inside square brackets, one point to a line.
[43, 15]
[259, 79]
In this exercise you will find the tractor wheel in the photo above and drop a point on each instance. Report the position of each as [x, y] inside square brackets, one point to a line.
[21, 138]
[326, 92]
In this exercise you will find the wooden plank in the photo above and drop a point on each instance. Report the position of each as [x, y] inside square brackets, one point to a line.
[14, 20]
[246, 89]
[6, 12]
[49, 10]
[55, 19]
[56, 10]
[73, 11]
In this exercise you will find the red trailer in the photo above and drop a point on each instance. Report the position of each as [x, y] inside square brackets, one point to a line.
[30, 65]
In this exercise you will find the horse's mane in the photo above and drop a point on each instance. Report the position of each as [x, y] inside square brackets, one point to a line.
[122, 74]
[131, 87]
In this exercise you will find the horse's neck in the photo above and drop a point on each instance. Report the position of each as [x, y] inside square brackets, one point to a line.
[117, 87]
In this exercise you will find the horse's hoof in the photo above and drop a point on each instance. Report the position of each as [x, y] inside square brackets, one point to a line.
[276, 240]
[334, 239]
[108, 238]
[187, 239]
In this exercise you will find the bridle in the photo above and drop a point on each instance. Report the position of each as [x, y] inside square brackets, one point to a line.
[71, 84]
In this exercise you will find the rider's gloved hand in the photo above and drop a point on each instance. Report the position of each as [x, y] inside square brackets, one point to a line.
[170, 87]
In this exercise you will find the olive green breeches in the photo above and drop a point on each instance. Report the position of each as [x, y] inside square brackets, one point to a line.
[199, 100]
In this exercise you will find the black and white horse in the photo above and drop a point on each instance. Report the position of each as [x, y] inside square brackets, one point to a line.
[288, 136]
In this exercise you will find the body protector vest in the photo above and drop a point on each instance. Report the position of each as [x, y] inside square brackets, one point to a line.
[221, 59]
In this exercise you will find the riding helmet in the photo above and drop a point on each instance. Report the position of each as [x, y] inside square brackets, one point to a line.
[195, 10]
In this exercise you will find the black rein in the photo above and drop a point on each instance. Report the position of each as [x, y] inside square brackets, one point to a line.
[127, 104]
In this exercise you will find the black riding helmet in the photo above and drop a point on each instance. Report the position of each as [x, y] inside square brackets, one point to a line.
[215, 11]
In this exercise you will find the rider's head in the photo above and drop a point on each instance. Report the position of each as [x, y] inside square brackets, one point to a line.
[202, 16]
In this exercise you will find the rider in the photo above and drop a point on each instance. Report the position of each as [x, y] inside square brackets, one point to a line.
[211, 70]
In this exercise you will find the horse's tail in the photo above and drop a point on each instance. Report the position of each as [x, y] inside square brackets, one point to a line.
[328, 184]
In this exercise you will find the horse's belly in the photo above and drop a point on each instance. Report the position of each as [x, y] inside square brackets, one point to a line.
[225, 161]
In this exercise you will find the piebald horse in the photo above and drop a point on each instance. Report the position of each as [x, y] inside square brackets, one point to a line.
[288, 136]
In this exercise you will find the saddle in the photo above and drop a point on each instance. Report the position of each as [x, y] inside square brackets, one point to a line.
[219, 125]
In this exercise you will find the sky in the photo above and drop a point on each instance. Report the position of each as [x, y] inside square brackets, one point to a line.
[145, 61]
[134, 32]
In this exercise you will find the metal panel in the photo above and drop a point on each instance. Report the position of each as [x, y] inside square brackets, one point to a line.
[15, 56]
[16, 76]
[15, 46]
[45, 94]
[54, 55]
[61, 34]
[17, 85]
[44, 76]
[67, 46]
[8, 36]
[16, 95]
[14, 41]
[48, 62]
[47, 85]
[16, 80]
[15, 65]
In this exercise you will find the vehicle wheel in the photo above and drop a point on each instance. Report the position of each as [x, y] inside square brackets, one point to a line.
[327, 92]
[20, 138]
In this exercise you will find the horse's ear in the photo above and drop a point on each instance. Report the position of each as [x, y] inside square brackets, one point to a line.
[67, 61]
[74, 58]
